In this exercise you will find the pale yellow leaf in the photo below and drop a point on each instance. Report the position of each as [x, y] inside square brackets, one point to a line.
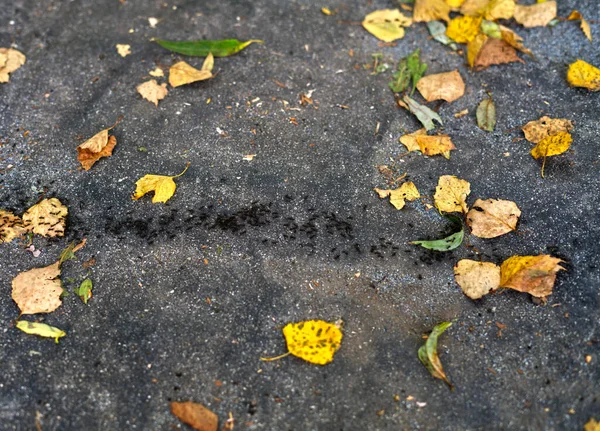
[386, 24]
[123, 50]
[209, 62]
[10, 60]
[38, 290]
[163, 186]
[490, 10]
[537, 15]
[11, 226]
[447, 86]
[493, 217]
[451, 194]
[40, 329]
[182, 73]
[46, 218]
[152, 92]
[477, 279]
[398, 197]
[158, 72]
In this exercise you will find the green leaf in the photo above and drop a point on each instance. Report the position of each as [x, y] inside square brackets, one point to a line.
[491, 29]
[437, 29]
[67, 254]
[486, 115]
[201, 48]
[429, 356]
[410, 69]
[40, 329]
[445, 244]
[423, 113]
[84, 291]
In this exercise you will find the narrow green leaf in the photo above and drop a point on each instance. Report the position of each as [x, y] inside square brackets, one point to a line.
[437, 29]
[425, 115]
[429, 356]
[486, 115]
[410, 69]
[40, 329]
[84, 291]
[67, 254]
[201, 48]
[445, 244]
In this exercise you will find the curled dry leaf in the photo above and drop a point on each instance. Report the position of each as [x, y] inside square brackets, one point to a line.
[182, 73]
[98, 146]
[162, 186]
[486, 115]
[551, 146]
[47, 218]
[195, 415]
[491, 52]
[152, 92]
[464, 29]
[451, 194]
[386, 24]
[531, 274]
[490, 10]
[38, 290]
[398, 197]
[477, 279]
[585, 26]
[536, 131]
[123, 50]
[40, 329]
[10, 60]
[431, 10]
[493, 217]
[428, 354]
[583, 74]
[536, 15]
[11, 226]
[447, 86]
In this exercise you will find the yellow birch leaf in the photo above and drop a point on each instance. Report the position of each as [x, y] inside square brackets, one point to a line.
[162, 186]
[583, 74]
[38, 290]
[40, 329]
[152, 92]
[410, 140]
[493, 217]
[532, 274]
[315, 341]
[209, 62]
[490, 10]
[447, 86]
[406, 192]
[591, 425]
[477, 279]
[431, 10]
[551, 146]
[474, 48]
[11, 226]
[537, 15]
[455, 4]
[463, 29]
[386, 24]
[536, 131]
[10, 60]
[182, 73]
[451, 194]
[46, 218]
[585, 26]
[433, 145]
[123, 50]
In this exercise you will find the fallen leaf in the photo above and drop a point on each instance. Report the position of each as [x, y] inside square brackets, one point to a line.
[490, 10]
[493, 52]
[326, 11]
[11, 226]
[447, 86]
[532, 274]
[47, 218]
[514, 40]
[249, 157]
[10, 60]
[386, 24]
[445, 244]
[152, 92]
[123, 50]
[430, 10]
[583, 74]
[69, 252]
[433, 145]
[162, 186]
[406, 192]
[410, 140]
[195, 415]
[84, 291]
[486, 115]
[463, 29]
[592, 425]
[209, 62]
[182, 73]
[537, 15]
[493, 217]
[551, 146]
[152, 22]
[38, 290]
[437, 29]
[474, 48]
[462, 113]
[451, 194]
[410, 69]
[158, 72]
[477, 279]
[585, 26]
[429, 356]
[536, 131]
[455, 4]
[98, 146]
[40, 329]
[201, 48]
[425, 115]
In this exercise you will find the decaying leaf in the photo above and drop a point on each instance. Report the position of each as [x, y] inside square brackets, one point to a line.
[123, 50]
[425, 115]
[486, 115]
[195, 415]
[493, 217]
[38, 290]
[429, 356]
[98, 146]
[451, 194]
[398, 197]
[490, 10]
[410, 69]
[592, 425]
[40, 329]
[551, 146]
[493, 52]
[445, 244]
[152, 92]
[410, 140]
[84, 291]
[536, 15]
[201, 48]
[11, 226]
[10, 60]
[182, 73]
[583, 74]
[532, 274]
[162, 186]
[437, 29]
[477, 279]
[386, 24]
[431, 10]
[47, 218]
[447, 86]
[433, 145]
[463, 29]
[585, 26]
[536, 131]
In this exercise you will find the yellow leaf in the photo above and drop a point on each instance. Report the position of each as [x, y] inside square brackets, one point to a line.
[386, 24]
[474, 48]
[493, 217]
[410, 140]
[406, 192]
[38, 290]
[490, 10]
[123, 49]
[182, 73]
[209, 62]
[162, 186]
[315, 341]
[583, 74]
[40, 329]
[447, 86]
[585, 26]
[455, 4]
[433, 145]
[513, 39]
[551, 146]
[152, 92]
[11, 226]
[326, 11]
[532, 274]
[10, 60]
[477, 279]
[592, 425]
[47, 218]
[431, 10]
[535, 131]
[463, 29]
[158, 72]
[451, 194]
[537, 15]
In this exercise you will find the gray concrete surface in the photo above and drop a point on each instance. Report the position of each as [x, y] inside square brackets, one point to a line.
[285, 233]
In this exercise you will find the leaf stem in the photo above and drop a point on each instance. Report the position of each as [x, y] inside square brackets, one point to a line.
[275, 358]
[186, 168]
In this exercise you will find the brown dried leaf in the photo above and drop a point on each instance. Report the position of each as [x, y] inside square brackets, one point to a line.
[532, 274]
[477, 279]
[536, 131]
[182, 73]
[98, 146]
[47, 218]
[38, 290]
[11, 226]
[152, 92]
[433, 145]
[536, 15]
[431, 10]
[195, 415]
[447, 86]
[493, 217]
[10, 60]
[495, 51]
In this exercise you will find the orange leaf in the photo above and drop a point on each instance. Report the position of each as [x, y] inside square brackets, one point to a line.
[532, 274]
[195, 415]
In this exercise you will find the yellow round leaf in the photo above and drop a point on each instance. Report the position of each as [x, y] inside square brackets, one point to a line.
[386, 24]
[583, 74]
[463, 29]
[315, 341]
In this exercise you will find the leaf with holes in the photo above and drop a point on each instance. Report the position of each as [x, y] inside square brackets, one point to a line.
[536, 131]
